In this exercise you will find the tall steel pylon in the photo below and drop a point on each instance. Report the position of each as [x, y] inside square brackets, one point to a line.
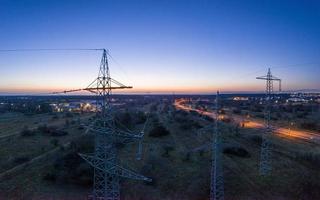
[266, 152]
[217, 182]
[109, 133]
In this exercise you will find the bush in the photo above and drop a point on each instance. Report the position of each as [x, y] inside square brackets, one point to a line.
[158, 131]
[256, 139]
[21, 159]
[83, 144]
[51, 131]
[43, 128]
[186, 123]
[68, 115]
[236, 151]
[226, 120]
[186, 157]
[55, 117]
[27, 132]
[124, 118]
[309, 157]
[236, 111]
[309, 125]
[306, 186]
[167, 150]
[58, 133]
[54, 142]
[70, 168]
[140, 118]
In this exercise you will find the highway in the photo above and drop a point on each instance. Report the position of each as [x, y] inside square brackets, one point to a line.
[255, 123]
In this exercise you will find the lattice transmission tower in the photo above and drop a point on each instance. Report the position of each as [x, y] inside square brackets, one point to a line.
[109, 133]
[217, 182]
[266, 149]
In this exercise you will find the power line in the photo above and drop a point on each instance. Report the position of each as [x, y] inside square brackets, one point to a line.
[58, 49]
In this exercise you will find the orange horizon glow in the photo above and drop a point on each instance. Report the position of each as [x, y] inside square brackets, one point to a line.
[157, 89]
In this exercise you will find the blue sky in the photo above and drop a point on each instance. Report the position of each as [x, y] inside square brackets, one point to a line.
[161, 46]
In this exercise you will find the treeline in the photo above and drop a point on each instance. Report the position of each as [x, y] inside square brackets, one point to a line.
[26, 107]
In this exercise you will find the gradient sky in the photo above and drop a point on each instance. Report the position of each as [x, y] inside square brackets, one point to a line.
[161, 46]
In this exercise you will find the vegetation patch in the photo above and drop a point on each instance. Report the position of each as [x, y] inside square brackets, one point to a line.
[236, 151]
[70, 169]
[309, 157]
[51, 131]
[159, 131]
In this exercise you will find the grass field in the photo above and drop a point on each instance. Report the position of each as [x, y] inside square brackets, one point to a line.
[180, 169]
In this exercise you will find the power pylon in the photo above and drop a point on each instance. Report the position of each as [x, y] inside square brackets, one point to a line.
[217, 182]
[109, 133]
[266, 152]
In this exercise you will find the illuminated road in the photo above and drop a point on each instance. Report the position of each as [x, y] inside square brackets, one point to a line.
[254, 123]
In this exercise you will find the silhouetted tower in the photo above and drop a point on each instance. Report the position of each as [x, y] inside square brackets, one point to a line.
[109, 134]
[217, 183]
[265, 154]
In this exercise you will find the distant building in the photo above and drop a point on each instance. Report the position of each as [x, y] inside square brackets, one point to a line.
[240, 98]
[296, 100]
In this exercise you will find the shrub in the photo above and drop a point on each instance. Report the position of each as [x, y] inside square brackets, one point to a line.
[54, 142]
[186, 123]
[226, 120]
[57, 133]
[236, 111]
[186, 157]
[158, 131]
[21, 159]
[27, 132]
[68, 115]
[306, 186]
[51, 131]
[124, 118]
[70, 168]
[256, 139]
[43, 128]
[67, 123]
[309, 157]
[83, 144]
[236, 151]
[309, 125]
[167, 150]
[140, 118]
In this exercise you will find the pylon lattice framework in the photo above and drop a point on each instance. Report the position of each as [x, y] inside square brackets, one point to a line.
[108, 134]
[265, 166]
[217, 182]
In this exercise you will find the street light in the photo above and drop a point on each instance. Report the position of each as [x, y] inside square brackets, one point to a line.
[291, 124]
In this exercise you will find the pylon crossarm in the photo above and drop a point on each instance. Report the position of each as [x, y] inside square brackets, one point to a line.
[273, 78]
[67, 91]
[114, 169]
[262, 77]
[106, 88]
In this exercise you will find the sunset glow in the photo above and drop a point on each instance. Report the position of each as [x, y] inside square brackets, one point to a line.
[181, 47]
